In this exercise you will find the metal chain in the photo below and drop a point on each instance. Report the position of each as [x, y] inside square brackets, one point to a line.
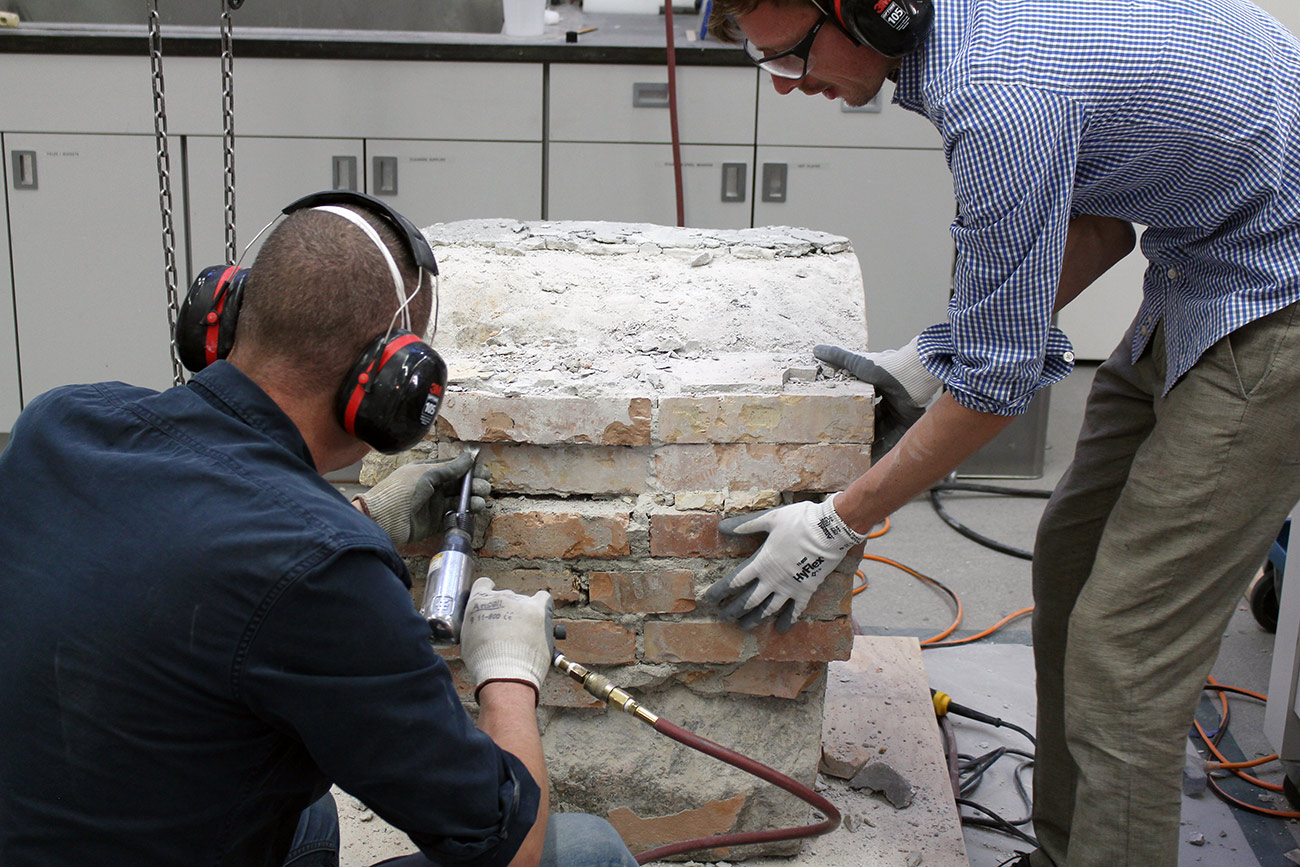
[164, 184]
[228, 123]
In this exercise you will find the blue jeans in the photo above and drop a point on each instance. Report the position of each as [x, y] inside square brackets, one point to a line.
[572, 840]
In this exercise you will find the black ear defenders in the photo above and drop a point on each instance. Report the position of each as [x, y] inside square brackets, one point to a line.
[892, 27]
[391, 395]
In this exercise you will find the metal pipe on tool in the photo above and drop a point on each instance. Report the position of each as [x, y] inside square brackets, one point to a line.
[451, 571]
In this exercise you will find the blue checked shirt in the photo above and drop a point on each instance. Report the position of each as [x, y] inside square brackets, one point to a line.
[1180, 115]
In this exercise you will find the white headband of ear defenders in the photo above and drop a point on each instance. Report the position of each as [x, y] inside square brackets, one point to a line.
[360, 222]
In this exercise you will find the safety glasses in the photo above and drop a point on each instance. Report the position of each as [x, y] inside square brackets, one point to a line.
[791, 63]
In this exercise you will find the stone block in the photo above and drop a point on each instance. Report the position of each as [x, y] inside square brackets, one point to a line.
[641, 833]
[598, 642]
[562, 584]
[566, 470]
[822, 640]
[705, 641]
[545, 419]
[556, 535]
[702, 501]
[646, 592]
[812, 415]
[780, 679]
[695, 534]
[764, 466]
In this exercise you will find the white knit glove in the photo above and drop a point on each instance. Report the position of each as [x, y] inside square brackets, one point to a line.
[409, 503]
[904, 387]
[507, 636]
[805, 542]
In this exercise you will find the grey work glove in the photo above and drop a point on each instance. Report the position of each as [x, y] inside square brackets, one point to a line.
[410, 502]
[805, 542]
[507, 636]
[904, 388]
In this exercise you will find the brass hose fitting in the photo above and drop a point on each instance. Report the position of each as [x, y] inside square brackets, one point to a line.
[604, 689]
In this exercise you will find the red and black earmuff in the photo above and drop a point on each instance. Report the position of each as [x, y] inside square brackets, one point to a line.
[391, 395]
[892, 27]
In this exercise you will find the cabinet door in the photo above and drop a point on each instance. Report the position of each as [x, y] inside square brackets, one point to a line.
[797, 119]
[10, 395]
[895, 205]
[630, 104]
[269, 174]
[89, 289]
[440, 181]
[635, 183]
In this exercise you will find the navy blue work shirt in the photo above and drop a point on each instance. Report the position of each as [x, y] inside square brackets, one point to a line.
[198, 634]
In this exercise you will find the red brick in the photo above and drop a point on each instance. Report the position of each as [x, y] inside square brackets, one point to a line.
[652, 592]
[781, 467]
[817, 414]
[710, 641]
[821, 640]
[695, 534]
[642, 833]
[780, 679]
[545, 419]
[561, 583]
[597, 642]
[557, 535]
[834, 598]
[588, 470]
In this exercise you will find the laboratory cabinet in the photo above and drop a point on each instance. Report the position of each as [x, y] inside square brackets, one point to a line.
[894, 204]
[269, 174]
[636, 183]
[610, 144]
[875, 174]
[10, 396]
[84, 226]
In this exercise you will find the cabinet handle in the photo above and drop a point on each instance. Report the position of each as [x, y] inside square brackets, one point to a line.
[733, 182]
[345, 173]
[774, 176]
[385, 176]
[649, 94]
[24, 163]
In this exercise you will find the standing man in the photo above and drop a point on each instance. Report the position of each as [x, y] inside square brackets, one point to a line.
[199, 634]
[1062, 124]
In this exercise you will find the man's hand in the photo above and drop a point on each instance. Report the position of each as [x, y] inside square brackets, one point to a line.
[904, 388]
[805, 542]
[507, 636]
[410, 502]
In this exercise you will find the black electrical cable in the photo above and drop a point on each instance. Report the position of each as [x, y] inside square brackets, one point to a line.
[994, 821]
[968, 487]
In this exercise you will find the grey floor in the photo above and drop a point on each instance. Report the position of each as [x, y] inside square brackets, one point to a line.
[996, 675]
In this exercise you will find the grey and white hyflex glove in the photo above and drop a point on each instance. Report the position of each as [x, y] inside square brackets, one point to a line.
[507, 636]
[410, 502]
[904, 387]
[805, 542]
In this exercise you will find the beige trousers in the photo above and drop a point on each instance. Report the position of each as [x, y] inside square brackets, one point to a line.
[1165, 514]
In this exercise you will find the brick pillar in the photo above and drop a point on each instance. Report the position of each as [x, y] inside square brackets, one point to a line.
[629, 386]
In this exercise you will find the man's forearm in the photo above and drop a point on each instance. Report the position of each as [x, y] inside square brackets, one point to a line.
[932, 448]
[949, 433]
[1092, 246]
[507, 714]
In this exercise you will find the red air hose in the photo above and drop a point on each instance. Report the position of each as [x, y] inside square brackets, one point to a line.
[672, 111]
[758, 769]
[604, 689]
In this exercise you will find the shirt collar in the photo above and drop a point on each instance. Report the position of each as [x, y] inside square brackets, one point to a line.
[227, 389]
